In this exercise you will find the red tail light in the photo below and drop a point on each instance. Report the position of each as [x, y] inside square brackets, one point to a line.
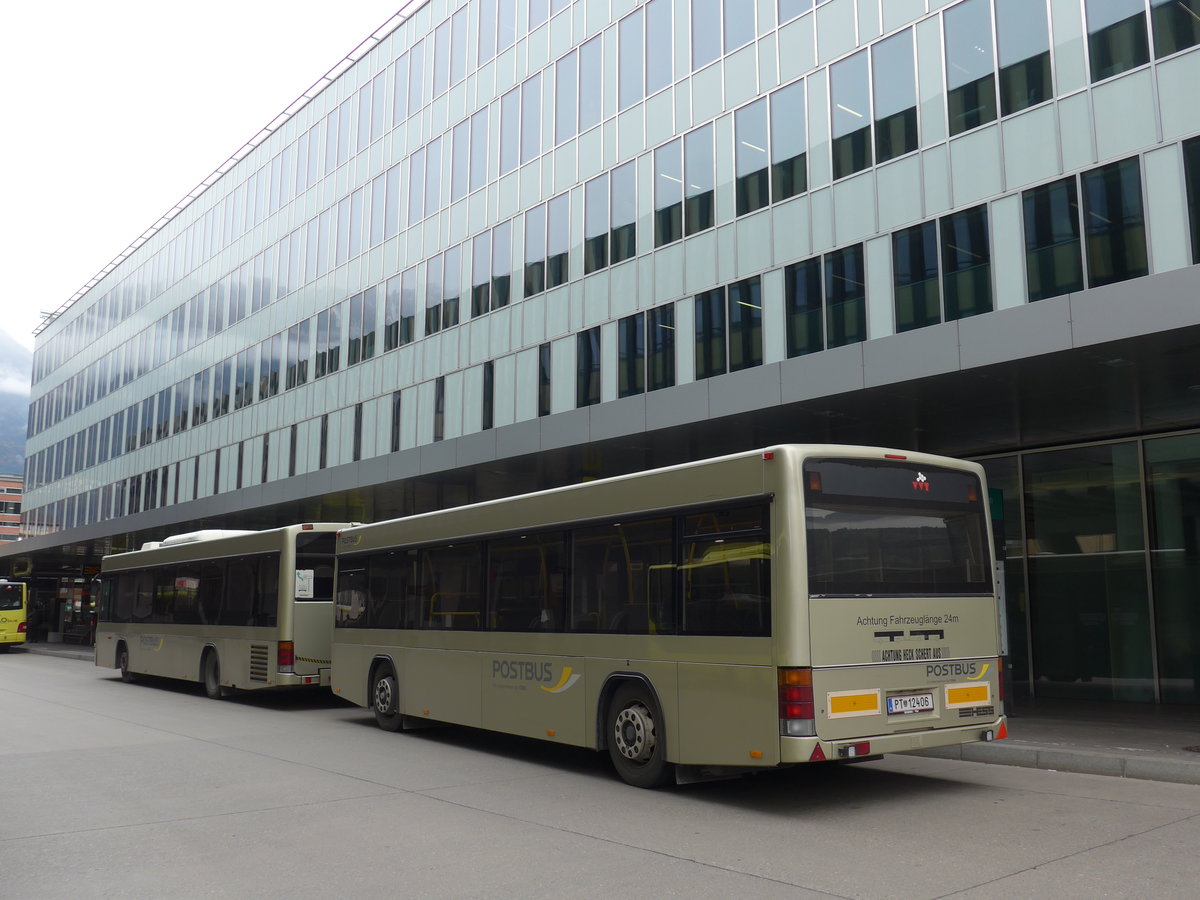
[796, 712]
[287, 656]
[22, 629]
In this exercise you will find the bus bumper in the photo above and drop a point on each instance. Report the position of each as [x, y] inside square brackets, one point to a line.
[801, 749]
[319, 678]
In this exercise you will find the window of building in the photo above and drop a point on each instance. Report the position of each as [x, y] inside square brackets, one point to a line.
[558, 240]
[1053, 250]
[752, 184]
[660, 347]
[660, 46]
[850, 99]
[488, 417]
[1176, 25]
[357, 449]
[510, 130]
[587, 367]
[591, 83]
[789, 144]
[502, 264]
[433, 294]
[804, 307]
[623, 215]
[395, 430]
[668, 193]
[329, 341]
[1023, 39]
[362, 327]
[595, 224]
[531, 118]
[200, 395]
[451, 286]
[543, 397]
[566, 98]
[894, 84]
[970, 65]
[966, 263]
[915, 275]
[700, 180]
[162, 424]
[297, 355]
[1116, 36]
[269, 356]
[323, 449]
[729, 329]
[706, 32]
[631, 55]
[535, 250]
[631, 355]
[845, 297]
[293, 441]
[479, 149]
[1114, 224]
[1191, 166]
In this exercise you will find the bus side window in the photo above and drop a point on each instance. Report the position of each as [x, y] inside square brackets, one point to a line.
[266, 601]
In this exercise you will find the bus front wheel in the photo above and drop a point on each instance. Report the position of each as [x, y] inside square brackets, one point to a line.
[635, 737]
[123, 664]
[385, 698]
[212, 676]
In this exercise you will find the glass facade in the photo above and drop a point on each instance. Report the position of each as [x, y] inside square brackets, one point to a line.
[505, 211]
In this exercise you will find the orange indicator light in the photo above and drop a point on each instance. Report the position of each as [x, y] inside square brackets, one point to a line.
[756, 754]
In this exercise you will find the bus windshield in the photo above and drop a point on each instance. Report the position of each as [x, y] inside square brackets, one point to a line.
[879, 528]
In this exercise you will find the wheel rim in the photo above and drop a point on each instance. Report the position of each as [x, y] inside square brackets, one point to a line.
[633, 733]
[384, 696]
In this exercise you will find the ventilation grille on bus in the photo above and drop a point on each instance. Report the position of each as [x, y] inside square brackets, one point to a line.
[260, 655]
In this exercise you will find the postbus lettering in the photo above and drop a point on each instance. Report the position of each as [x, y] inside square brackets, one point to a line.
[522, 670]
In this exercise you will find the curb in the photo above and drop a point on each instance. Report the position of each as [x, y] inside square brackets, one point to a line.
[81, 654]
[1082, 762]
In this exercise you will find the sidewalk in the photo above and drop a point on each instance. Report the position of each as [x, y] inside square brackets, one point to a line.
[1092, 738]
[1123, 739]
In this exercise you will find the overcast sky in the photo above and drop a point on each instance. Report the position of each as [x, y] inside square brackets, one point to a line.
[114, 111]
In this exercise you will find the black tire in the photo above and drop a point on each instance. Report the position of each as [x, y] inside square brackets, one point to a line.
[635, 737]
[4, 648]
[211, 666]
[123, 664]
[385, 697]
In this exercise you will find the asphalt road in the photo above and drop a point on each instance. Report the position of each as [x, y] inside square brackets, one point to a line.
[152, 790]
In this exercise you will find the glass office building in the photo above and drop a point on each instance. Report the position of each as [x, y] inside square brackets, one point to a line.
[520, 243]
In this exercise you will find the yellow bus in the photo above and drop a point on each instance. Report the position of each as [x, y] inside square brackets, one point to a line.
[238, 610]
[789, 605]
[13, 611]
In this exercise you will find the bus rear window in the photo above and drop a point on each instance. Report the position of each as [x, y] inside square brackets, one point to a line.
[880, 528]
[10, 596]
[314, 565]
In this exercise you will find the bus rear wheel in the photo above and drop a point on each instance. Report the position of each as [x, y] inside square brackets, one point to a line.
[385, 698]
[123, 664]
[212, 676]
[635, 737]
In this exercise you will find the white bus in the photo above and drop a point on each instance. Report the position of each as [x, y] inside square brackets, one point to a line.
[789, 605]
[232, 609]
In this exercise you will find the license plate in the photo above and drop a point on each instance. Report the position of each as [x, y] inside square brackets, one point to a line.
[909, 703]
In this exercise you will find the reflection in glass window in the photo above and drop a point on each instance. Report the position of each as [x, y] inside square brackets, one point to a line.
[750, 157]
[739, 23]
[631, 86]
[481, 274]
[710, 334]
[851, 114]
[408, 306]
[587, 367]
[631, 355]
[543, 395]
[591, 84]
[895, 90]
[1191, 166]
[527, 580]
[510, 130]
[623, 578]
[1113, 223]
[1053, 251]
[845, 297]
[668, 193]
[1176, 25]
[558, 240]
[1023, 36]
[595, 224]
[623, 243]
[970, 66]
[660, 46]
[433, 294]
[488, 415]
[531, 118]
[660, 338]
[501, 264]
[790, 9]
[391, 314]
[966, 263]
[789, 169]
[699, 189]
[460, 160]
[479, 149]
[804, 307]
[566, 97]
[915, 277]
[1116, 36]
[745, 324]
[451, 286]
[535, 250]
[706, 32]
